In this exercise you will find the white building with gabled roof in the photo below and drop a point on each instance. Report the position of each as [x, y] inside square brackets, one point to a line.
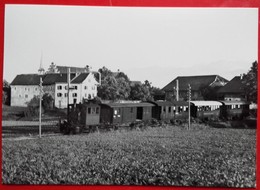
[82, 86]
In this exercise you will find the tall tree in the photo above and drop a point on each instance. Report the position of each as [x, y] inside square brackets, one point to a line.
[6, 93]
[250, 83]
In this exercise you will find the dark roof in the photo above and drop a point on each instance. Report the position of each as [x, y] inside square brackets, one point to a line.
[195, 81]
[141, 104]
[163, 103]
[80, 78]
[53, 78]
[233, 86]
[27, 79]
[180, 103]
[64, 69]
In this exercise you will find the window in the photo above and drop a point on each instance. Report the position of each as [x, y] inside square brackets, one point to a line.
[169, 109]
[66, 94]
[59, 87]
[35, 89]
[164, 109]
[75, 87]
[26, 95]
[85, 87]
[97, 110]
[59, 94]
[74, 95]
[89, 110]
[25, 89]
[66, 87]
[131, 110]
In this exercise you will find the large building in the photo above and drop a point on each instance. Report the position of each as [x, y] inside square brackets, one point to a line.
[177, 89]
[233, 90]
[83, 85]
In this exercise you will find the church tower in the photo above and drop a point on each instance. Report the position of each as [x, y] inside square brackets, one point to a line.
[41, 70]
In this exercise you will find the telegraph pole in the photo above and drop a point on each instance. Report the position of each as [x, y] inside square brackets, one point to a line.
[68, 95]
[40, 111]
[189, 98]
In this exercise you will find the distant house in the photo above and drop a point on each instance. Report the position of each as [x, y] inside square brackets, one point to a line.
[23, 88]
[233, 90]
[178, 88]
[53, 68]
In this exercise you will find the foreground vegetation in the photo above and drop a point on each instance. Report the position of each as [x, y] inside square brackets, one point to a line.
[202, 156]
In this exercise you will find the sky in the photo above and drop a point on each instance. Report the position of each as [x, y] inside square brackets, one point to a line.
[154, 44]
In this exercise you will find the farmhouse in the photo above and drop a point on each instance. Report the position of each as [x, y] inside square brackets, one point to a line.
[233, 90]
[177, 89]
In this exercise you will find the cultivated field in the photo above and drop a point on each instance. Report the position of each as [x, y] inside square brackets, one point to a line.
[155, 156]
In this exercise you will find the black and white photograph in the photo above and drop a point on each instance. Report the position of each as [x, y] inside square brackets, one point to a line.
[133, 96]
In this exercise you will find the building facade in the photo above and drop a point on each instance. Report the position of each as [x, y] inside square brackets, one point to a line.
[82, 86]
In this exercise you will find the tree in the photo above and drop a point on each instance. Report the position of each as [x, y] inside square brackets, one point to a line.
[208, 92]
[140, 92]
[108, 88]
[6, 93]
[250, 83]
[47, 101]
[33, 107]
[52, 68]
[114, 86]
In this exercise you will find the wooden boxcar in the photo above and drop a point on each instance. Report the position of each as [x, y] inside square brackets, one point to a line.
[119, 113]
[205, 109]
[234, 109]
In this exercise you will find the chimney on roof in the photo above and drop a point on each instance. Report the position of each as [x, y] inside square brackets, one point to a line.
[241, 76]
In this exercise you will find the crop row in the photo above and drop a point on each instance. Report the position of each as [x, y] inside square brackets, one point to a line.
[155, 156]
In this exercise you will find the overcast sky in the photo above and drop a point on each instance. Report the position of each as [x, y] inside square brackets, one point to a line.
[157, 44]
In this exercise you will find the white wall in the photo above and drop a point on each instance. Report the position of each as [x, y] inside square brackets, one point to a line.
[21, 94]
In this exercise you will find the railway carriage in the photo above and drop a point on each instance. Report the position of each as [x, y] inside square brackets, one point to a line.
[234, 109]
[167, 110]
[206, 109]
[119, 113]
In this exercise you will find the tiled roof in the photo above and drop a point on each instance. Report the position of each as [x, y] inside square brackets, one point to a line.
[27, 79]
[53, 78]
[233, 86]
[80, 78]
[196, 82]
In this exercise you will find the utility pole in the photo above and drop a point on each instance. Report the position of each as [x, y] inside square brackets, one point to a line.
[189, 98]
[40, 111]
[68, 95]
